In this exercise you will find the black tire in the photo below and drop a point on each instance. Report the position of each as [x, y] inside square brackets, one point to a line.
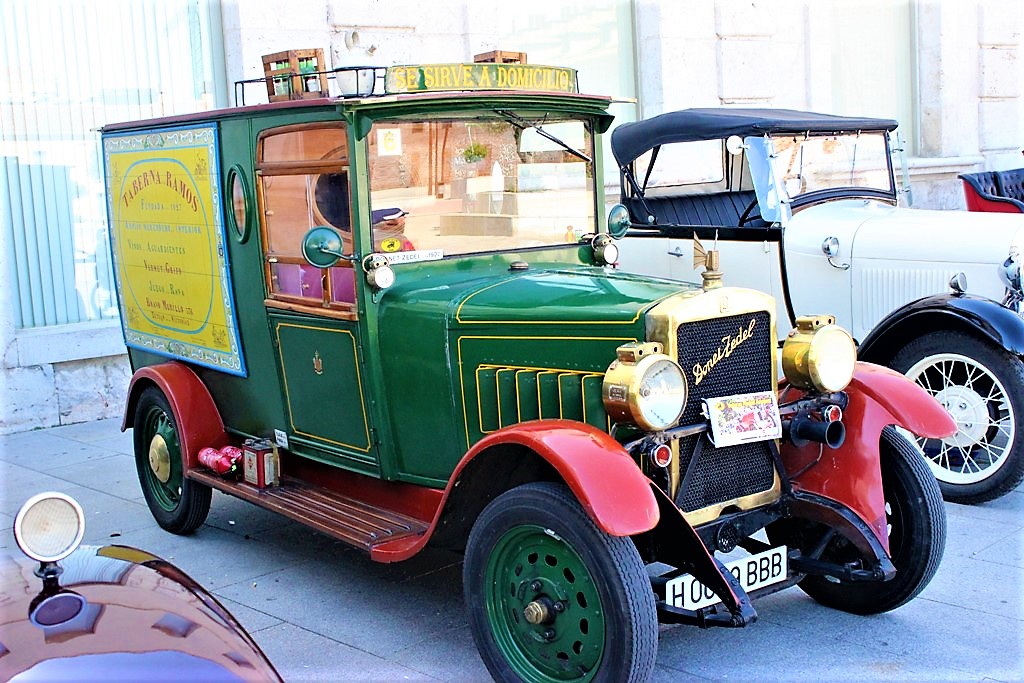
[177, 503]
[917, 536]
[533, 550]
[982, 386]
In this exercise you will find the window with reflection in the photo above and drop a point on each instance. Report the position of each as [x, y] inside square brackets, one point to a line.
[303, 184]
[238, 209]
[490, 181]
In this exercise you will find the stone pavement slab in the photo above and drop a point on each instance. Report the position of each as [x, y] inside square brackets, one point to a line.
[324, 612]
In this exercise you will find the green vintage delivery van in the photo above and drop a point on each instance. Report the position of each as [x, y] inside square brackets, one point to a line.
[395, 317]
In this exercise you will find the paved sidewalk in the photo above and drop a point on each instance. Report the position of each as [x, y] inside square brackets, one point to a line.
[322, 611]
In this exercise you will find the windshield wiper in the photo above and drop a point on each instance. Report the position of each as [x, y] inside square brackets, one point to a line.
[521, 123]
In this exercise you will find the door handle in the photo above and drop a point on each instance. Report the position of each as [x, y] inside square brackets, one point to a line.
[677, 252]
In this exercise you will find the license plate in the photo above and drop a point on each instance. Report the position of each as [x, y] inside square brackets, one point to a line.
[753, 572]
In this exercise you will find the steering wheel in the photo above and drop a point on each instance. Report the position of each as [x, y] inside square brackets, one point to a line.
[747, 215]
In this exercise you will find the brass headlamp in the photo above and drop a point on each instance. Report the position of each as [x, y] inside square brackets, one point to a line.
[644, 387]
[818, 354]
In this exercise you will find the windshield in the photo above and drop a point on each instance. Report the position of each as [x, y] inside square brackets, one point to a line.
[810, 164]
[487, 182]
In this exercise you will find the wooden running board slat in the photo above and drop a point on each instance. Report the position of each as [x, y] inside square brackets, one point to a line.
[347, 519]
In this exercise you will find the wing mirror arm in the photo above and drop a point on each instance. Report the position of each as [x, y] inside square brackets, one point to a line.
[321, 247]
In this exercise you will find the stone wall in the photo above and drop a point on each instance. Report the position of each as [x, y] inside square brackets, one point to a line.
[62, 375]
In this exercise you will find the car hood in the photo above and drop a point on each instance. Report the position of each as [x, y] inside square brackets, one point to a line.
[119, 610]
[882, 231]
[921, 248]
[564, 296]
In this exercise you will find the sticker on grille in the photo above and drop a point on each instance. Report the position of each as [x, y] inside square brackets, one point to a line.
[729, 355]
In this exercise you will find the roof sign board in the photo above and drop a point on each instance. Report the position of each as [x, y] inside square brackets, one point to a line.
[484, 76]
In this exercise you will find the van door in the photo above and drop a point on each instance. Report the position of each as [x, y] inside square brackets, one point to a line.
[312, 312]
[319, 361]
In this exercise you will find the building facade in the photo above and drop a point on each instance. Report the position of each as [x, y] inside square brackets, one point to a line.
[951, 71]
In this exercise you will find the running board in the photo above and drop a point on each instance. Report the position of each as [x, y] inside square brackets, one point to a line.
[347, 519]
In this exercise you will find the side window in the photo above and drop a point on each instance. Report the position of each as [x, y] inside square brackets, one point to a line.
[303, 172]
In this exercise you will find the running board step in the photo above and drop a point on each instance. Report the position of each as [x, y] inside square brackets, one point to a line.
[350, 520]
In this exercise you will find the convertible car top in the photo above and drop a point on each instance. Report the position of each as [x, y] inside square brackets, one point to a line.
[630, 140]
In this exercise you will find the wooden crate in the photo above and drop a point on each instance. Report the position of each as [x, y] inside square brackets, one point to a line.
[295, 75]
[500, 57]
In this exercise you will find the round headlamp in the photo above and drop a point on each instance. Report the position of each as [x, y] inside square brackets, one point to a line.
[644, 387]
[378, 271]
[818, 354]
[606, 252]
[49, 526]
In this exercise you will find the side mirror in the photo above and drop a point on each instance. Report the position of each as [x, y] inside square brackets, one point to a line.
[618, 221]
[321, 247]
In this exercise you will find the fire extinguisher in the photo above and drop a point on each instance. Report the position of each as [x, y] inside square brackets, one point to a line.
[223, 461]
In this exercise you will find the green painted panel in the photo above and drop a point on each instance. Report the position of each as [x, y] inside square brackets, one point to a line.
[526, 387]
[323, 388]
[487, 406]
[593, 403]
[587, 296]
[547, 396]
[508, 401]
[570, 396]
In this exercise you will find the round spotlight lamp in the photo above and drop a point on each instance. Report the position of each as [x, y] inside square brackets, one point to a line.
[818, 354]
[49, 526]
[606, 252]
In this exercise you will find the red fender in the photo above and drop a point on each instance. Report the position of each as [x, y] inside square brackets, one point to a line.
[598, 470]
[851, 474]
[197, 417]
[601, 474]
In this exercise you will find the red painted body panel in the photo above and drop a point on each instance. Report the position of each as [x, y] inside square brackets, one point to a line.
[602, 476]
[199, 422]
[605, 479]
[851, 474]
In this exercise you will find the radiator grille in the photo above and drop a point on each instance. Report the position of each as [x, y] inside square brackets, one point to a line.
[748, 368]
[721, 474]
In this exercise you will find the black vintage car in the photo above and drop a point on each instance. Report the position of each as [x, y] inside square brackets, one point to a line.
[806, 206]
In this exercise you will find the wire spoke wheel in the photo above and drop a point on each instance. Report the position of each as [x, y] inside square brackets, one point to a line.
[982, 387]
[978, 403]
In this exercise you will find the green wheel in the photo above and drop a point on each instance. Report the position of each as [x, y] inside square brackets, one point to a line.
[178, 504]
[553, 598]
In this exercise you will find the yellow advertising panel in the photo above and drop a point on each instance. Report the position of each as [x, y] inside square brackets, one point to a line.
[167, 238]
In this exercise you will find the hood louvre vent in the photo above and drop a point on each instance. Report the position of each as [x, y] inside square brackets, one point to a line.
[509, 395]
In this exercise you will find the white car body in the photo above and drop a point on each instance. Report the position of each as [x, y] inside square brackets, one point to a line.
[895, 256]
[804, 206]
